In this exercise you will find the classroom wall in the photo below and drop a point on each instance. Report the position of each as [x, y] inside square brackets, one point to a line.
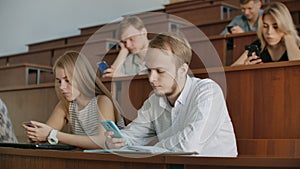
[32, 21]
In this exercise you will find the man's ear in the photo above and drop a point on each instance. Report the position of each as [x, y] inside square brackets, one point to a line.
[184, 69]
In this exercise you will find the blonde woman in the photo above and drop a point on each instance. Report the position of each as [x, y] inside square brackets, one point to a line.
[84, 101]
[278, 37]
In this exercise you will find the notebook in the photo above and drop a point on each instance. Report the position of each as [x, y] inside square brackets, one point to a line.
[38, 146]
[140, 150]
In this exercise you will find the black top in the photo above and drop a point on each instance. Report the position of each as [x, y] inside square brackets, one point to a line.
[265, 55]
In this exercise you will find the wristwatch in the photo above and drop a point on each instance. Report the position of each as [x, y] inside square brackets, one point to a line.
[52, 139]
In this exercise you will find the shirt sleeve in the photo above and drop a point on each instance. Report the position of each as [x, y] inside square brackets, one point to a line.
[235, 21]
[140, 131]
[206, 119]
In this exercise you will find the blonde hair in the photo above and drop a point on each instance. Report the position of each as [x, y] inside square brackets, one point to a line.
[80, 73]
[178, 45]
[134, 21]
[243, 2]
[283, 18]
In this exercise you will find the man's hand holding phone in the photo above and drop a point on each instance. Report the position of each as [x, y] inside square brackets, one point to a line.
[114, 137]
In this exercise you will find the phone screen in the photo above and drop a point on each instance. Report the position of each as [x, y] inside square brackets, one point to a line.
[229, 29]
[102, 66]
[29, 124]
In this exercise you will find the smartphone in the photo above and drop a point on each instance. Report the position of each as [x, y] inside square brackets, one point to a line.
[111, 126]
[102, 66]
[29, 124]
[251, 49]
[229, 29]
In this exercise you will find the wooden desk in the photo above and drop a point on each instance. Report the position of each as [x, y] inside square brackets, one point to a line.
[236, 45]
[40, 57]
[199, 13]
[13, 158]
[25, 74]
[263, 100]
[244, 162]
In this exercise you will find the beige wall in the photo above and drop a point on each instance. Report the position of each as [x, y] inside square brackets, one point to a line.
[29, 104]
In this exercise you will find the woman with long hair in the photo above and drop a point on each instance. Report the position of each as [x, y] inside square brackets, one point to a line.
[278, 37]
[84, 101]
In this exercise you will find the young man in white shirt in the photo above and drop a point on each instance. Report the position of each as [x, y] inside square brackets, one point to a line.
[185, 114]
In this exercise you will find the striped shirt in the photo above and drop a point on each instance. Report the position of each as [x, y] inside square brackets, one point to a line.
[85, 121]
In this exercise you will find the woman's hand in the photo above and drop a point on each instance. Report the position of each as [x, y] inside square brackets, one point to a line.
[38, 133]
[253, 59]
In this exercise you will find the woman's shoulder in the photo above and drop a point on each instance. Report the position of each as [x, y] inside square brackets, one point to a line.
[103, 99]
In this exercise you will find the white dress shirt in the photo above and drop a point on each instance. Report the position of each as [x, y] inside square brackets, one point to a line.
[198, 122]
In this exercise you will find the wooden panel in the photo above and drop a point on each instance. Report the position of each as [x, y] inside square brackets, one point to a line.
[15, 75]
[204, 14]
[244, 162]
[22, 158]
[3, 61]
[40, 58]
[209, 52]
[237, 43]
[29, 103]
[269, 147]
[214, 28]
[47, 44]
[12, 76]
[25, 158]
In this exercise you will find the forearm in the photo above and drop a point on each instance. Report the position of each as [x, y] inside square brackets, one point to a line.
[86, 142]
[120, 58]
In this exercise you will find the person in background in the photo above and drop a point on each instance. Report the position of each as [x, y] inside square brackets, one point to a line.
[248, 21]
[84, 101]
[185, 114]
[7, 134]
[278, 37]
[133, 43]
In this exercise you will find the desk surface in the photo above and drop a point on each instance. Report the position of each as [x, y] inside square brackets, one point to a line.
[26, 158]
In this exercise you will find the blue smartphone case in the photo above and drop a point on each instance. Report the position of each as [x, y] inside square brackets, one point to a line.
[111, 126]
[102, 66]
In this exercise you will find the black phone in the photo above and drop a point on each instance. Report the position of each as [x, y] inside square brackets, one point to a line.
[229, 29]
[251, 49]
[29, 124]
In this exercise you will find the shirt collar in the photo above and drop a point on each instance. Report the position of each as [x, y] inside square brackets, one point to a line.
[185, 91]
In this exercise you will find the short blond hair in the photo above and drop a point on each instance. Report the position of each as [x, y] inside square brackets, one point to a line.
[178, 45]
[243, 2]
[134, 21]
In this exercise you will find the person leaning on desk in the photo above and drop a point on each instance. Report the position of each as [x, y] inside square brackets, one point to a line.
[278, 38]
[185, 114]
[84, 101]
[248, 21]
[133, 43]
